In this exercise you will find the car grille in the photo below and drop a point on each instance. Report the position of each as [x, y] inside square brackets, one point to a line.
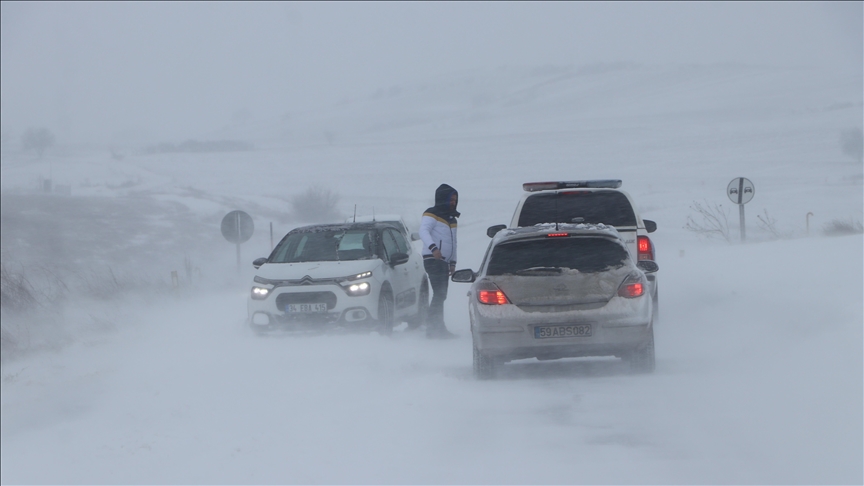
[328, 298]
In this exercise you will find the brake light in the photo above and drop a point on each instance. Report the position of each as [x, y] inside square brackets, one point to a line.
[644, 248]
[492, 297]
[631, 290]
[632, 286]
[557, 235]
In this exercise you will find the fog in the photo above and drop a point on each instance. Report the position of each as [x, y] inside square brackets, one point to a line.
[146, 72]
[126, 356]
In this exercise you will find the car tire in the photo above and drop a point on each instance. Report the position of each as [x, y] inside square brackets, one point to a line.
[656, 304]
[418, 319]
[642, 358]
[485, 368]
[385, 314]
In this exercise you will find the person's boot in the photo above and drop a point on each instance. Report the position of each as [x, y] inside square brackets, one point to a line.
[444, 333]
[435, 329]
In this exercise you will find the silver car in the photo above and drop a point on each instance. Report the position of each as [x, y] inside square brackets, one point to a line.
[555, 291]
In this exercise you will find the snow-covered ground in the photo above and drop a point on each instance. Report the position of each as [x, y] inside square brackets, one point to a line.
[759, 347]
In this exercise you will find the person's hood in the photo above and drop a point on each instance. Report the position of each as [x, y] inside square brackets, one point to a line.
[442, 198]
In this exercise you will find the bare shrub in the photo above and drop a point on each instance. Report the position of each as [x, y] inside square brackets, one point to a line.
[711, 221]
[768, 224]
[841, 227]
[316, 205]
[16, 292]
[37, 139]
[34, 311]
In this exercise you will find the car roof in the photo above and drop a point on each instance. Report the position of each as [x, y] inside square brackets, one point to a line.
[581, 184]
[345, 226]
[390, 218]
[581, 229]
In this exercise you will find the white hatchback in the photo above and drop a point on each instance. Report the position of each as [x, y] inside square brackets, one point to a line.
[354, 275]
[554, 291]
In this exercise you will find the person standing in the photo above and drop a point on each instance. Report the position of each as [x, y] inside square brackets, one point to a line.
[438, 233]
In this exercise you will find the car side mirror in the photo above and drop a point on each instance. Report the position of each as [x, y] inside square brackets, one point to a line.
[415, 236]
[259, 261]
[650, 226]
[398, 259]
[493, 230]
[463, 276]
[647, 266]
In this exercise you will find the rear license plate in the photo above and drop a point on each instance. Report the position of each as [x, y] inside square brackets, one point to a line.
[546, 332]
[305, 308]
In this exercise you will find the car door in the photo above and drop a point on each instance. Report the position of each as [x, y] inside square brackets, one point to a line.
[404, 291]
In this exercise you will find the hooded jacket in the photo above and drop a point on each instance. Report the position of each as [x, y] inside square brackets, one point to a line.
[438, 226]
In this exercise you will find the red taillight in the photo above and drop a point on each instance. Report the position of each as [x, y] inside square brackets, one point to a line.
[631, 290]
[632, 286]
[557, 235]
[492, 297]
[645, 250]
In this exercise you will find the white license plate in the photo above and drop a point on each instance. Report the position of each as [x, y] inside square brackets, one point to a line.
[305, 308]
[578, 330]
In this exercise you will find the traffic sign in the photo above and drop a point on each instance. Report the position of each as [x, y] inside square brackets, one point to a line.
[740, 190]
[237, 227]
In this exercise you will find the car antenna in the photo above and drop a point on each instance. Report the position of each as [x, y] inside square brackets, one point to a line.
[355, 213]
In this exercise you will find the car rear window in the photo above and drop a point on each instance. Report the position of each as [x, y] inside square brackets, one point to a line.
[586, 254]
[607, 207]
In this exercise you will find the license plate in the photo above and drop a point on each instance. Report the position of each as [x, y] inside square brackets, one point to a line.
[546, 332]
[305, 308]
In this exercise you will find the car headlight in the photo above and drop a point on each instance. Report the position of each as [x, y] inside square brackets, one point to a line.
[260, 293]
[359, 276]
[361, 288]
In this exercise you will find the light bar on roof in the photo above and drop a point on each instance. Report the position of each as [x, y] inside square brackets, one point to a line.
[545, 186]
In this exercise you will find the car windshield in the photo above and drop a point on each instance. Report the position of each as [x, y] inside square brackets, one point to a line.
[593, 207]
[325, 246]
[547, 255]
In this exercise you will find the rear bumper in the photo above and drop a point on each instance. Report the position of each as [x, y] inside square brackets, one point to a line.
[509, 339]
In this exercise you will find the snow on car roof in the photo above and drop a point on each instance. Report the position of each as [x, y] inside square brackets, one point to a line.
[541, 228]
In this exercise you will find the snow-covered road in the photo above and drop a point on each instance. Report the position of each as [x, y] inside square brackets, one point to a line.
[747, 390]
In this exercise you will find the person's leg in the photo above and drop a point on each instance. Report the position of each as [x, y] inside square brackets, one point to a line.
[438, 273]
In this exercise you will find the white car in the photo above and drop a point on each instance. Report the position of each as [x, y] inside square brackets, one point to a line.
[363, 275]
[554, 291]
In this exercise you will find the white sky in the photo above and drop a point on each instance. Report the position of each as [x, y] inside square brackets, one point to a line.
[93, 70]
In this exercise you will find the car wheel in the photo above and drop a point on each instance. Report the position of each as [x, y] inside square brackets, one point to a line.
[485, 368]
[385, 314]
[656, 305]
[422, 307]
[642, 359]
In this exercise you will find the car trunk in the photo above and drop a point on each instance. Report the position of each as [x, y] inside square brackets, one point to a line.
[567, 288]
[559, 271]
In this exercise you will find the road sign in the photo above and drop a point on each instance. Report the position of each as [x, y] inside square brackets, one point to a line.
[740, 190]
[237, 227]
